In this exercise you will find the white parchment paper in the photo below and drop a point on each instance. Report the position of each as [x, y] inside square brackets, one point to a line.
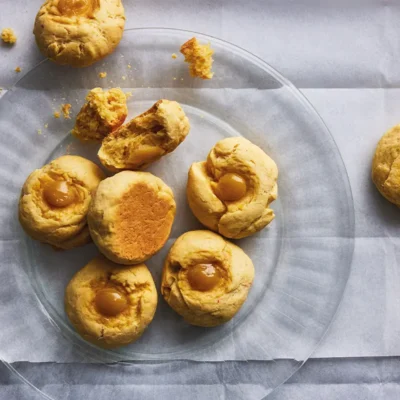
[349, 53]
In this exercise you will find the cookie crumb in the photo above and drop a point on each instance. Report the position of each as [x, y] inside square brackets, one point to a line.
[56, 114]
[199, 57]
[8, 36]
[174, 78]
[18, 69]
[102, 74]
[66, 109]
[174, 56]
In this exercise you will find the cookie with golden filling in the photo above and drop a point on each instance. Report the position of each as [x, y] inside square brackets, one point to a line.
[111, 305]
[230, 193]
[199, 57]
[206, 279]
[146, 138]
[386, 165]
[55, 200]
[79, 32]
[103, 112]
[131, 216]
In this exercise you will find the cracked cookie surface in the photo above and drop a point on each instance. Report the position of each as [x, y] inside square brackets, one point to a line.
[55, 200]
[146, 138]
[386, 165]
[79, 32]
[132, 283]
[131, 216]
[192, 295]
[103, 112]
[230, 193]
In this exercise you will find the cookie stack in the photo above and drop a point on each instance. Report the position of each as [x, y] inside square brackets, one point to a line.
[129, 216]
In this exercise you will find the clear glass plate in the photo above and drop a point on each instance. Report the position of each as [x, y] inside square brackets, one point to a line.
[302, 259]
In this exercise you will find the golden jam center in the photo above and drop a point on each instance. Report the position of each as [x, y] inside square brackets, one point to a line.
[110, 302]
[203, 277]
[58, 193]
[231, 187]
[76, 7]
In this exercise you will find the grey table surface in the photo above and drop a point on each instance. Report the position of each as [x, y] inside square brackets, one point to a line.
[319, 379]
[343, 56]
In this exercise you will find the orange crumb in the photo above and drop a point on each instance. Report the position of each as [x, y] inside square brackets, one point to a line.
[56, 114]
[199, 57]
[174, 56]
[18, 69]
[102, 74]
[8, 36]
[66, 109]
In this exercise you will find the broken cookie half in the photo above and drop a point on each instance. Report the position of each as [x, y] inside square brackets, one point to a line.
[146, 138]
[103, 112]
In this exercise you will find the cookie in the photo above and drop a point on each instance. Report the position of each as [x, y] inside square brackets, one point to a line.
[79, 32]
[206, 279]
[55, 200]
[146, 138]
[230, 193]
[131, 216]
[111, 305]
[103, 112]
[386, 165]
